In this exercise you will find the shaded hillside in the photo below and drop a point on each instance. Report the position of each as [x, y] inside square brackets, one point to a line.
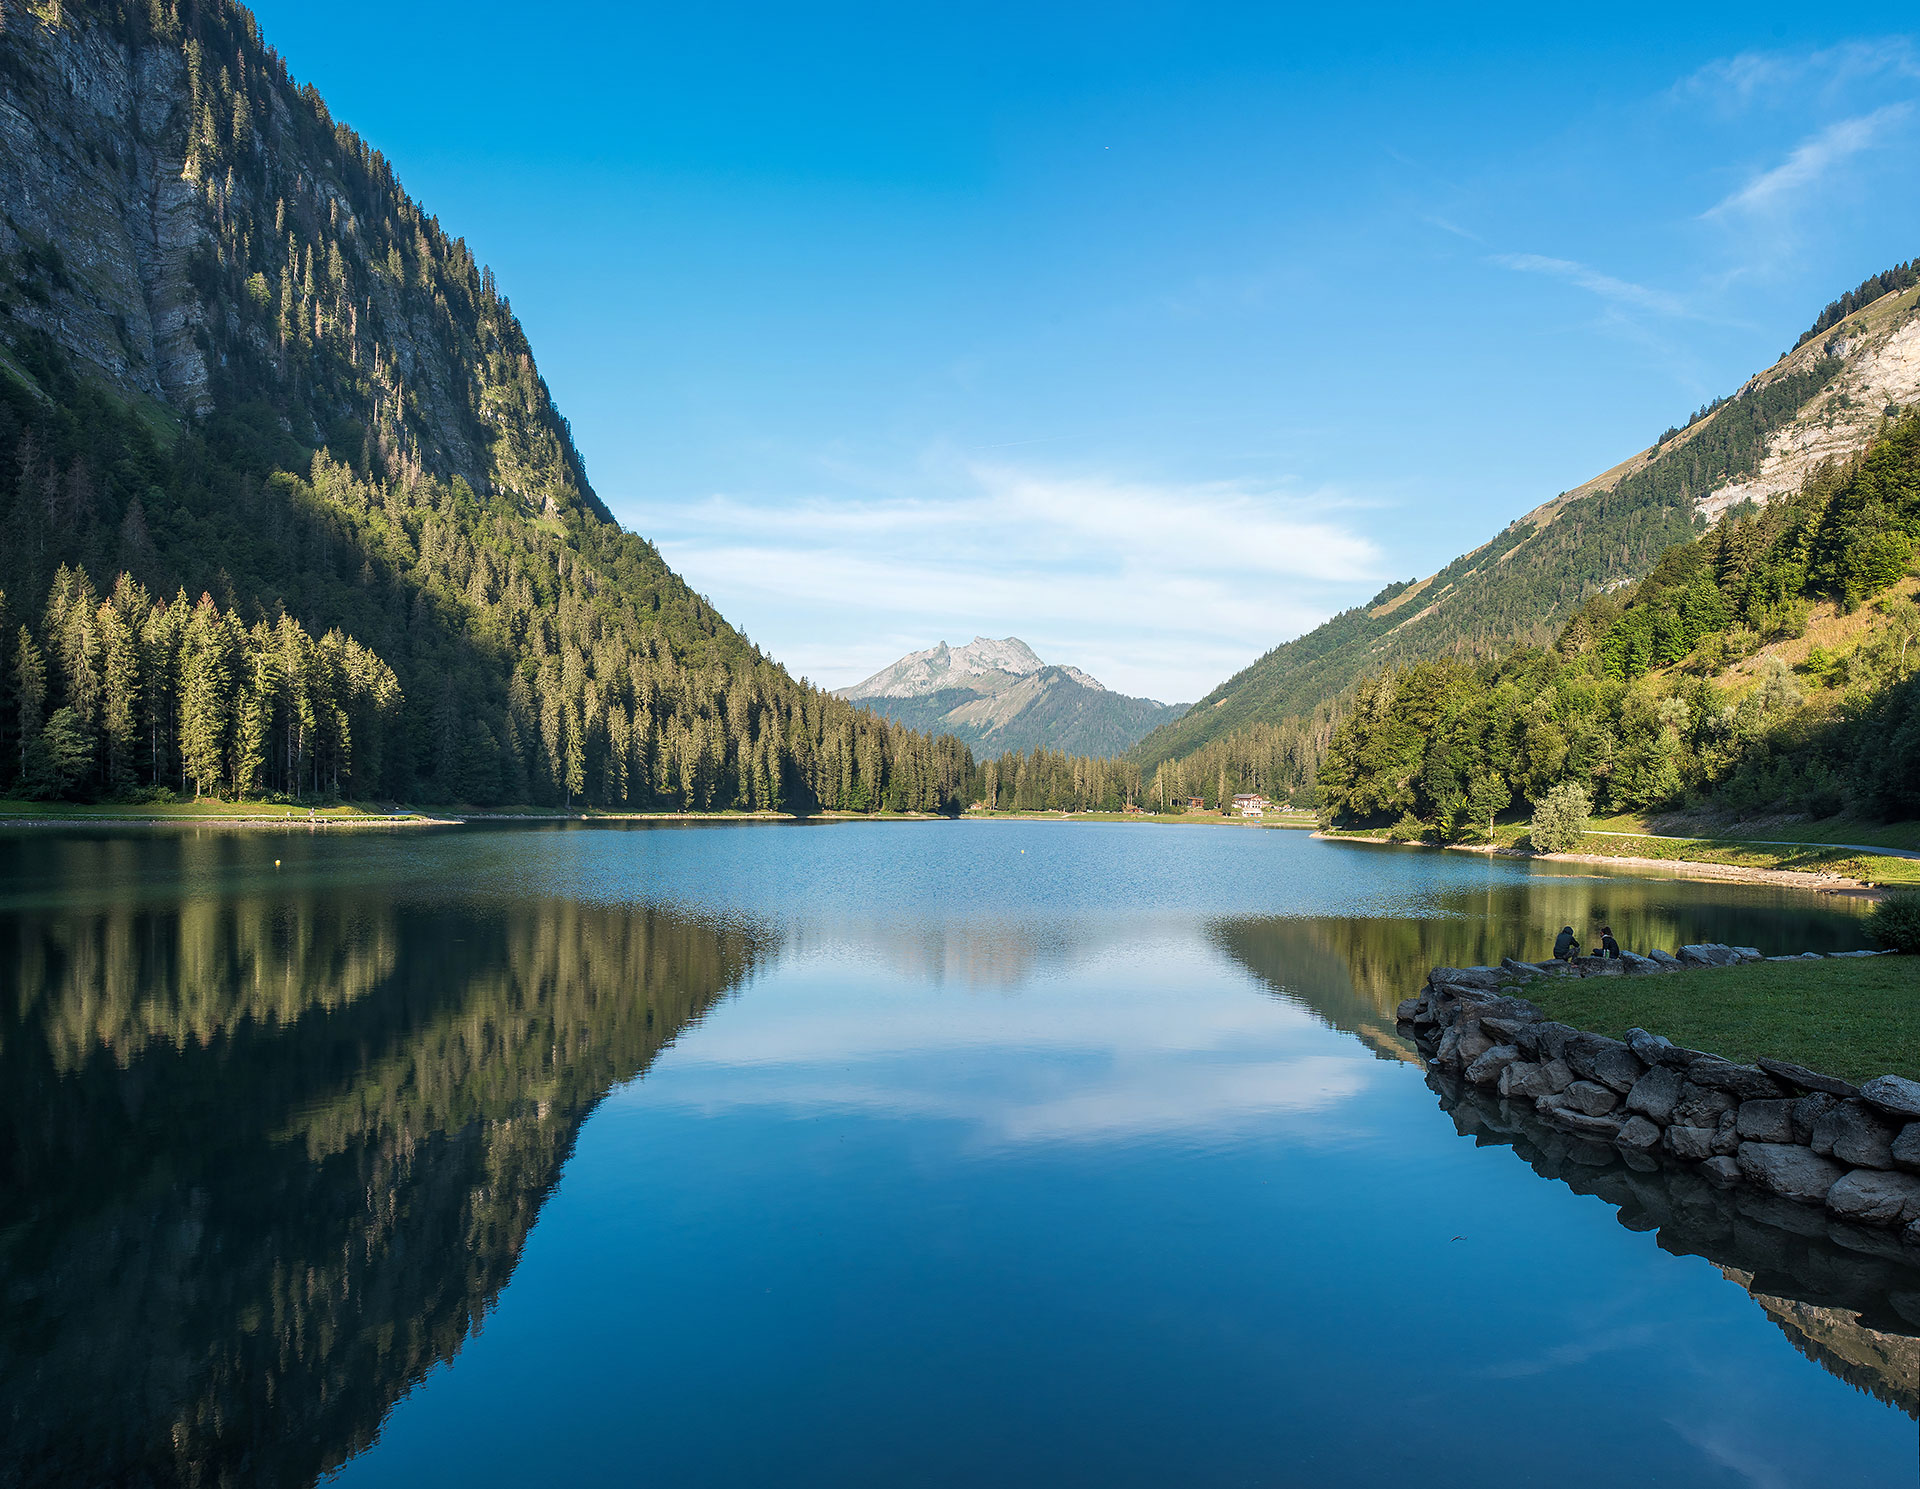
[1824, 399]
[236, 359]
[276, 1162]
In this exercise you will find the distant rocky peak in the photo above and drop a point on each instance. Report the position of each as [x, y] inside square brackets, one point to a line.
[982, 660]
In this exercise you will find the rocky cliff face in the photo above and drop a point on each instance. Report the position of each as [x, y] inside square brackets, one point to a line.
[182, 222]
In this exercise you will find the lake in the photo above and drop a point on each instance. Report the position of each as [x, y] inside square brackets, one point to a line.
[1013, 1153]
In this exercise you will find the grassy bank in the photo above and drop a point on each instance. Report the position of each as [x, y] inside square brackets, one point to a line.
[1629, 838]
[207, 809]
[1182, 819]
[1853, 1018]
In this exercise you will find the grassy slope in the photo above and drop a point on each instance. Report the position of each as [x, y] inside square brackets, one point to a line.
[1851, 1018]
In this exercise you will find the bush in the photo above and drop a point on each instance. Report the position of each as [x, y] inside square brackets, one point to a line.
[1560, 818]
[1895, 922]
[1409, 829]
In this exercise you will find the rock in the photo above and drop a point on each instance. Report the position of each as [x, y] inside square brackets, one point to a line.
[1656, 1094]
[1488, 978]
[1875, 1197]
[1767, 1121]
[1590, 1097]
[1485, 1071]
[1600, 966]
[1894, 1096]
[1700, 1106]
[1906, 1147]
[1544, 1040]
[1722, 1170]
[1578, 1121]
[1789, 1170]
[1649, 1047]
[1548, 1079]
[1803, 1078]
[1409, 1010]
[1742, 1082]
[1726, 1134]
[1640, 966]
[1665, 958]
[1519, 968]
[1473, 1044]
[1748, 953]
[1513, 1010]
[1506, 1030]
[1852, 953]
[1709, 954]
[1690, 1144]
[1680, 1057]
[1515, 1076]
[1607, 1061]
[1806, 1112]
[1850, 1132]
[1911, 1234]
[1638, 1133]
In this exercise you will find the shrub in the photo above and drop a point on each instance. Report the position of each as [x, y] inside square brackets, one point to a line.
[1409, 829]
[1895, 922]
[1560, 818]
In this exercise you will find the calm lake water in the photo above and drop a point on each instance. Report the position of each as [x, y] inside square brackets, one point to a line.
[863, 1154]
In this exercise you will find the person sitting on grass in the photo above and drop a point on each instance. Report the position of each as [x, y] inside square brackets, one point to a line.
[1565, 948]
[1608, 946]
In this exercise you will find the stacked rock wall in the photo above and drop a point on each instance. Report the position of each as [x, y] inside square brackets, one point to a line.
[1772, 1126]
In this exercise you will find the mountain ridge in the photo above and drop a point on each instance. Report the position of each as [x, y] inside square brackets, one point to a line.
[1822, 400]
[998, 696]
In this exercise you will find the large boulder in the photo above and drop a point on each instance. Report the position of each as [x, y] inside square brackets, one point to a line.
[1721, 1170]
[1804, 1079]
[1639, 1134]
[1789, 1170]
[1600, 966]
[1893, 1096]
[1487, 978]
[1906, 1147]
[1808, 1111]
[1852, 1133]
[1691, 1144]
[1536, 1080]
[1590, 1097]
[1767, 1121]
[1748, 953]
[1656, 1094]
[1409, 1010]
[1708, 954]
[1741, 1082]
[1649, 1047]
[1544, 1040]
[1485, 1070]
[1700, 1106]
[1665, 958]
[1640, 966]
[1876, 1197]
[1574, 1120]
[1605, 1060]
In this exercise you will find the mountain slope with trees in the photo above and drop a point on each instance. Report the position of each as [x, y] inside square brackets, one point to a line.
[244, 376]
[1821, 400]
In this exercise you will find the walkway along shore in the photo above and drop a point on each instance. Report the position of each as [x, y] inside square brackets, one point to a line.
[1773, 1127]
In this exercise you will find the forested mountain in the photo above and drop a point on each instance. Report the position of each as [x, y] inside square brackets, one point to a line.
[249, 388]
[998, 696]
[1767, 666]
[1822, 400]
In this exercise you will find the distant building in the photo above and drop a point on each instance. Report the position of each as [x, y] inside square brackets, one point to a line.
[1249, 804]
[1195, 804]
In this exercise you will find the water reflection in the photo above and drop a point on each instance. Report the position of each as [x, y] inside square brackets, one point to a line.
[278, 1116]
[267, 1160]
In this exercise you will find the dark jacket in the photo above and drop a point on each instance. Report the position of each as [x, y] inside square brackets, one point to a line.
[1609, 946]
[1565, 946]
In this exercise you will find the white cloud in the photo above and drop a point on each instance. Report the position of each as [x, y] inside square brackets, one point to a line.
[1616, 291]
[1157, 589]
[1750, 79]
[1811, 163]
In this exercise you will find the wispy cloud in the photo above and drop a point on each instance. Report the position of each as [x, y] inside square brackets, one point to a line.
[1811, 163]
[1606, 286]
[1751, 79]
[1156, 588]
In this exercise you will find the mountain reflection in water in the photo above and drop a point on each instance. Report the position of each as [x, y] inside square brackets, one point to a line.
[268, 1160]
[273, 1141]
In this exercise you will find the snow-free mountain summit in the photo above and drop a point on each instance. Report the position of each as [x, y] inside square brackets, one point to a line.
[998, 696]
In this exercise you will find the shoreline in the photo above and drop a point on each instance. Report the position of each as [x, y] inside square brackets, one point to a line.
[1677, 868]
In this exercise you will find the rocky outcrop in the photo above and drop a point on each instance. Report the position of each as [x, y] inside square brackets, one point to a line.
[1773, 1126]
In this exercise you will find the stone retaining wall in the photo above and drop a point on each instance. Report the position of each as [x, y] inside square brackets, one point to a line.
[1772, 1126]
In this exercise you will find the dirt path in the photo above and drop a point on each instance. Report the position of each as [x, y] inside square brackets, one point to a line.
[1667, 837]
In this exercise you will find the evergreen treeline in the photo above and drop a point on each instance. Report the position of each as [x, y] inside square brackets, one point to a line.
[1050, 781]
[1886, 282]
[375, 454]
[1623, 702]
[123, 693]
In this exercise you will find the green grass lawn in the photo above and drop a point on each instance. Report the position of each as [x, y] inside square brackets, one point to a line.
[182, 811]
[1853, 1018]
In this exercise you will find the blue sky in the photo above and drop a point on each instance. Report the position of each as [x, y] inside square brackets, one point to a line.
[1152, 336]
